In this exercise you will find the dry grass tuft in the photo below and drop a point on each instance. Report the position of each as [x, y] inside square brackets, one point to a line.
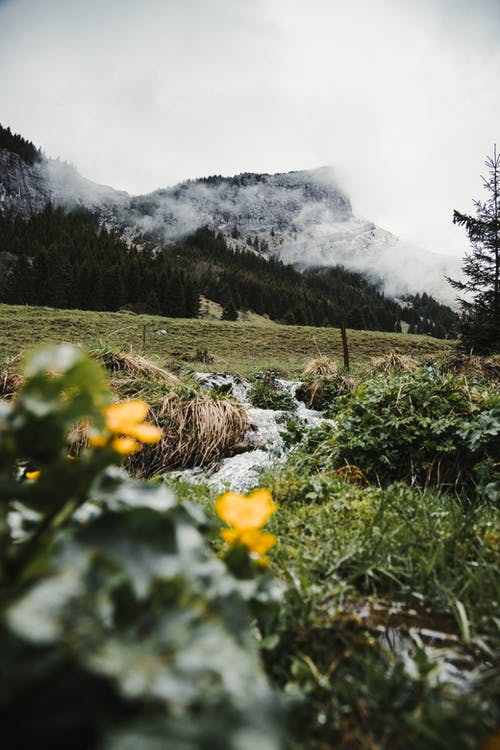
[132, 366]
[319, 367]
[78, 437]
[10, 382]
[10, 379]
[323, 383]
[197, 429]
[394, 362]
[486, 368]
[318, 393]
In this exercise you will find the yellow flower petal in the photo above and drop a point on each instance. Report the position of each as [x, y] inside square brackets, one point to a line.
[246, 511]
[32, 474]
[121, 417]
[125, 445]
[258, 541]
[230, 536]
[146, 433]
[98, 441]
[254, 540]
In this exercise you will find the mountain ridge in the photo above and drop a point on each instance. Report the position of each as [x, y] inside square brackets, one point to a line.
[302, 217]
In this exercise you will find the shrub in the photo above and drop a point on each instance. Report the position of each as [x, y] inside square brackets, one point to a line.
[266, 393]
[426, 427]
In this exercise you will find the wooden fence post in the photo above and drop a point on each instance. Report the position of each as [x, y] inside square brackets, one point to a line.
[345, 348]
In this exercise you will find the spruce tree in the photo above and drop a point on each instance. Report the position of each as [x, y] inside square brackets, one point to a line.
[480, 325]
[229, 311]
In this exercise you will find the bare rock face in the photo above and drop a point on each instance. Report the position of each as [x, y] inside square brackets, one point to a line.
[24, 188]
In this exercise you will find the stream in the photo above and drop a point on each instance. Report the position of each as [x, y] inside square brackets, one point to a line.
[262, 446]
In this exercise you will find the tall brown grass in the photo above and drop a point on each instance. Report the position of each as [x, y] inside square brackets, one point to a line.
[197, 428]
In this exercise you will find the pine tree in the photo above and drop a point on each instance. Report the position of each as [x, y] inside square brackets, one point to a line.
[229, 311]
[480, 325]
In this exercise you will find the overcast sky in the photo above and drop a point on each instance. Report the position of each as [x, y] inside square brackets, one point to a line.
[401, 97]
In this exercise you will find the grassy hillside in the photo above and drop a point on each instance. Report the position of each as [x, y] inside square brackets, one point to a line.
[239, 347]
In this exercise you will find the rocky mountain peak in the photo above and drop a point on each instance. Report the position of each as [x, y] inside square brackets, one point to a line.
[302, 217]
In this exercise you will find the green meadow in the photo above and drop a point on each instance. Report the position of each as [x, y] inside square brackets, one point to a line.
[234, 347]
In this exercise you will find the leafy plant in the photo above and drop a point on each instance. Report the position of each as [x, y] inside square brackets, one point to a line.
[266, 392]
[119, 627]
[294, 432]
[425, 427]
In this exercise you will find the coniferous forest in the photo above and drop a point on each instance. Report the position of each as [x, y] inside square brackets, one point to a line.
[68, 260]
[19, 145]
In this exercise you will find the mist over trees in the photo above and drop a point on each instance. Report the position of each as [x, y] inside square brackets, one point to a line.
[480, 324]
[68, 260]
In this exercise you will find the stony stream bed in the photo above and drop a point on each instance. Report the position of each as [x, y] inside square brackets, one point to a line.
[262, 445]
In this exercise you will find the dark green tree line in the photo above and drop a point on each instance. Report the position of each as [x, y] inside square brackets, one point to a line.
[68, 260]
[19, 145]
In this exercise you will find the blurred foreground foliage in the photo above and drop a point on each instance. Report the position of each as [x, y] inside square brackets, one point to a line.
[119, 626]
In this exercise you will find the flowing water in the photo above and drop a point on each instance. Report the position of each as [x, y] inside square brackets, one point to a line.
[262, 447]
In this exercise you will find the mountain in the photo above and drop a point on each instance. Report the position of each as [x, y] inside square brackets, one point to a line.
[302, 218]
[26, 188]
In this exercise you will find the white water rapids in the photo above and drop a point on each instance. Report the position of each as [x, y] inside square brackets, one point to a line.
[264, 445]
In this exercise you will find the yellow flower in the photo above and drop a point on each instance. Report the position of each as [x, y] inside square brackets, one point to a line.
[125, 445]
[146, 433]
[126, 428]
[254, 540]
[246, 511]
[246, 514]
[98, 441]
[32, 474]
[120, 418]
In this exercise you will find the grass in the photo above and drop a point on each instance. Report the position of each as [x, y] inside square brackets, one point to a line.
[370, 573]
[373, 565]
[240, 348]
